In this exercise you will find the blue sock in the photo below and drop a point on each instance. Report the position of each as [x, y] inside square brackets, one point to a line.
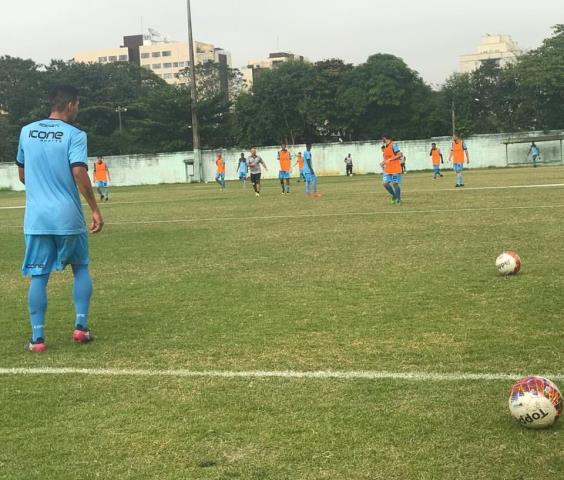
[389, 189]
[314, 185]
[37, 300]
[459, 179]
[81, 294]
[397, 193]
[307, 182]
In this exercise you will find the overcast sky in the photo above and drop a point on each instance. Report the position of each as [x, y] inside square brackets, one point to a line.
[429, 35]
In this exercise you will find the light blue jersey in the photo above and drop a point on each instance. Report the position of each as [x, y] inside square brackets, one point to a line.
[243, 169]
[47, 151]
[308, 167]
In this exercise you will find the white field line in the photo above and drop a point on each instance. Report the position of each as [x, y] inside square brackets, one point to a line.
[311, 375]
[393, 211]
[179, 200]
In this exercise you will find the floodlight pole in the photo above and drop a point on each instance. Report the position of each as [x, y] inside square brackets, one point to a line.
[453, 111]
[194, 96]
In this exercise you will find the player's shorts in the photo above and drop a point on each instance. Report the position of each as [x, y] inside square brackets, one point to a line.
[52, 253]
[282, 175]
[101, 184]
[255, 177]
[220, 176]
[310, 177]
[391, 178]
[242, 176]
[458, 167]
[301, 172]
[436, 167]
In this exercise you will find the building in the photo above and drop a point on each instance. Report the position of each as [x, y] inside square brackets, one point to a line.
[254, 67]
[167, 59]
[501, 48]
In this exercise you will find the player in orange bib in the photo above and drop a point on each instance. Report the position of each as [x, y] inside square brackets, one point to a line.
[300, 164]
[220, 174]
[285, 159]
[457, 154]
[392, 169]
[437, 158]
[101, 177]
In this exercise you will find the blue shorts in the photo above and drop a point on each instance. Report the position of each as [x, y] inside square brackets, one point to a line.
[283, 175]
[301, 172]
[458, 167]
[242, 176]
[392, 178]
[101, 184]
[436, 168]
[220, 176]
[52, 253]
[310, 177]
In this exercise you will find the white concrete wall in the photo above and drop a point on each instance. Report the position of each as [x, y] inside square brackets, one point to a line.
[485, 151]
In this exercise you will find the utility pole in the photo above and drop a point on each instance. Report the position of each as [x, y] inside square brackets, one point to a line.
[194, 96]
[453, 119]
[119, 111]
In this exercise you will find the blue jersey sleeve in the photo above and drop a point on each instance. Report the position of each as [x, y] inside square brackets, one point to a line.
[20, 157]
[395, 148]
[78, 150]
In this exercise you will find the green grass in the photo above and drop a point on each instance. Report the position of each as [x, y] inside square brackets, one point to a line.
[190, 278]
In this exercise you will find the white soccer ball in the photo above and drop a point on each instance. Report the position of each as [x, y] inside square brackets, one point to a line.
[508, 263]
[535, 402]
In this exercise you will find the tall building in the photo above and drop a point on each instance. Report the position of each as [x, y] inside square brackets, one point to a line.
[165, 58]
[501, 48]
[254, 67]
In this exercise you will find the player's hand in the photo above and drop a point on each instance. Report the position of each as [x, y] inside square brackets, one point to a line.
[97, 222]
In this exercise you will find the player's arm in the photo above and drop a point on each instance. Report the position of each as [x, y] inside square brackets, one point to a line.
[263, 164]
[467, 155]
[20, 162]
[450, 156]
[21, 174]
[83, 183]
[108, 172]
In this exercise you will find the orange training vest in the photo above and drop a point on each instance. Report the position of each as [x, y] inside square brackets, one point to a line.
[101, 172]
[285, 160]
[220, 165]
[436, 156]
[391, 167]
[458, 152]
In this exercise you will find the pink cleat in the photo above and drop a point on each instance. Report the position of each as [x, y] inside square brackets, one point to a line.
[36, 347]
[82, 336]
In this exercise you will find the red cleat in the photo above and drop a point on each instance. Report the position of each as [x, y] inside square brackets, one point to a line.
[82, 336]
[36, 347]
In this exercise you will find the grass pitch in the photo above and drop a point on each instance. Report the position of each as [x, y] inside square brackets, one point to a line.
[187, 277]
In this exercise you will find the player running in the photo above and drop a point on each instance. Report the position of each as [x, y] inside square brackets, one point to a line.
[285, 160]
[220, 171]
[300, 165]
[392, 169]
[457, 153]
[52, 163]
[437, 158]
[309, 174]
[101, 177]
[243, 169]
[255, 162]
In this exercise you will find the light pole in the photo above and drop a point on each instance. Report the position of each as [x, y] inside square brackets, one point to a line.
[453, 111]
[119, 111]
[194, 95]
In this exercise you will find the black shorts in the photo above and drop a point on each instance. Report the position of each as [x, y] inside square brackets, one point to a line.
[255, 178]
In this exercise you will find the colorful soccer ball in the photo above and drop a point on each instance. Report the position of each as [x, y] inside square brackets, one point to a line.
[508, 263]
[535, 402]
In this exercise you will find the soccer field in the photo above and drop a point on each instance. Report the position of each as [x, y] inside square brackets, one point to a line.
[284, 337]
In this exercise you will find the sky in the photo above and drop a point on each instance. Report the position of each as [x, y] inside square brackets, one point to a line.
[429, 35]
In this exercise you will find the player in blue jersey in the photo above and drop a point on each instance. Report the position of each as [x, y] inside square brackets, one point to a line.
[52, 163]
[309, 174]
[243, 169]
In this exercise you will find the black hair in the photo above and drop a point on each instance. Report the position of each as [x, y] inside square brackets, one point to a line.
[61, 95]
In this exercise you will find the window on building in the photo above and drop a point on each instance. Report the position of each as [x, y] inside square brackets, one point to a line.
[168, 53]
[167, 75]
[156, 66]
[148, 67]
[123, 58]
[112, 58]
[175, 64]
[167, 65]
[102, 59]
[156, 54]
[145, 55]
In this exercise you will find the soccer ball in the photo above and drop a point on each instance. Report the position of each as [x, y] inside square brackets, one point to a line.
[535, 402]
[508, 263]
